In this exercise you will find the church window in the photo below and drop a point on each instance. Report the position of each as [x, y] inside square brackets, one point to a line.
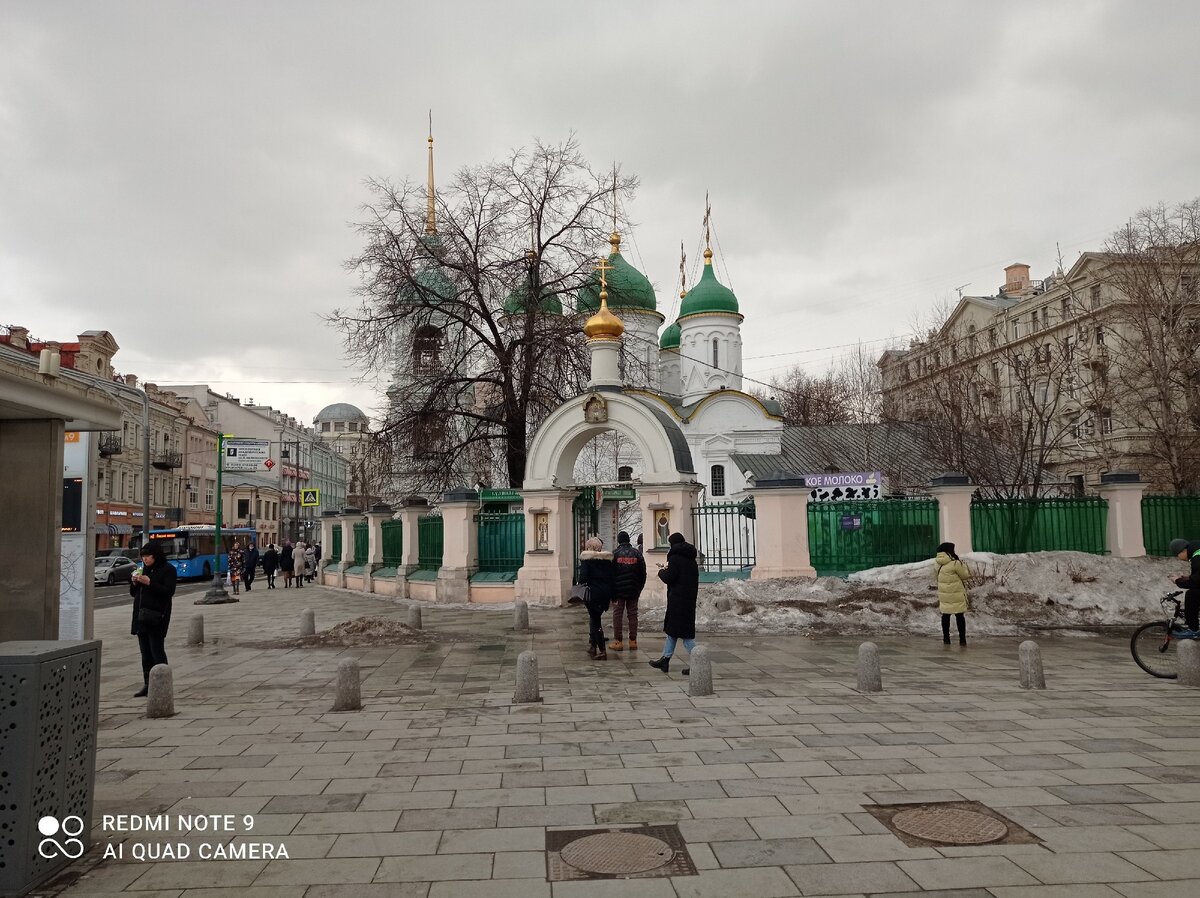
[625, 473]
[354, 426]
[717, 480]
[325, 425]
[428, 435]
[716, 354]
[427, 349]
[339, 426]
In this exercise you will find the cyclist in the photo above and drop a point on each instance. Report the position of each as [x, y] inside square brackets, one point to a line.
[1184, 550]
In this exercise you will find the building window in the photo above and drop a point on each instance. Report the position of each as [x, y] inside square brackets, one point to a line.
[428, 435]
[354, 426]
[324, 427]
[1095, 291]
[993, 339]
[1073, 426]
[210, 487]
[1034, 326]
[427, 349]
[1016, 330]
[716, 354]
[718, 480]
[1099, 336]
[243, 508]
[1106, 423]
[625, 473]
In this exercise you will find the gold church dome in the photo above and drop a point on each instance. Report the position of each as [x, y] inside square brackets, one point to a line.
[604, 325]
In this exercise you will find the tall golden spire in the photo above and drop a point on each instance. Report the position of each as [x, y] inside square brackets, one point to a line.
[614, 239]
[604, 325]
[707, 230]
[430, 213]
[682, 271]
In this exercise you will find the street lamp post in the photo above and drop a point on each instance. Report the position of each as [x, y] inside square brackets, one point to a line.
[216, 594]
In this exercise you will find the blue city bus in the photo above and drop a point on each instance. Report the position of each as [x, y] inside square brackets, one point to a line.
[191, 547]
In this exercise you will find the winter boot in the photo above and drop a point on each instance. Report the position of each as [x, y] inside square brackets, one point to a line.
[616, 645]
[592, 650]
[601, 654]
[633, 645]
[662, 663]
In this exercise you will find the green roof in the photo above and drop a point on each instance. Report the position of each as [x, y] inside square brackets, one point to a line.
[628, 288]
[517, 302]
[709, 295]
[431, 286]
[670, 337]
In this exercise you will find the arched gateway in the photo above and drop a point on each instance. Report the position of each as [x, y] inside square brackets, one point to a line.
[666, 491]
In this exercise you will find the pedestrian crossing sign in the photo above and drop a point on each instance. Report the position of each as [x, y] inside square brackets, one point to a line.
[310, 498]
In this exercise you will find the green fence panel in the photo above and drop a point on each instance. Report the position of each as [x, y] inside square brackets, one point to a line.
[1008, 526]
[393, 542]
[336, 557]
[429, 542]
[362, 536]
[724, 539]
[853, 535]
[1165, 518]
[501, 541]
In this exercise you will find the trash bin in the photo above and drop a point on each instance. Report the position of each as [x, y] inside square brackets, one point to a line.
[49, 710]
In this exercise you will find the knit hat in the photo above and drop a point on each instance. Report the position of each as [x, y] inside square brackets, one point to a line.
[676, 538]
[1177, 546]
[622, 537]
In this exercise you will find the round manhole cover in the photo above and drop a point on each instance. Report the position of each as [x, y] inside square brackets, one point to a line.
[952, 826]
[617, 853]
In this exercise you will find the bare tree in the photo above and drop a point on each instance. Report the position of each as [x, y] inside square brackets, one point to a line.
[468, 299]
[1152, 333]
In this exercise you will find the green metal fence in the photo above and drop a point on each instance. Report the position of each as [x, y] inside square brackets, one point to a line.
[362, 536]
[501, 541]
[336, 556]
[1007, 526]
[724, 539]
[1165, 518]
[429, 542]
[853, 535]
[393, 542]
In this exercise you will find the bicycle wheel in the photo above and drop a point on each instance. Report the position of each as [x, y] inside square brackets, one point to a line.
[1154, 651]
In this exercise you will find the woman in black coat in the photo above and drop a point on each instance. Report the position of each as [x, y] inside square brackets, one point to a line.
[597, 571]
[270, 561]
[682, 577]
[152, 590]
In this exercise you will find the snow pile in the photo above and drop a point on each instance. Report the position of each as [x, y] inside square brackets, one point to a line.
[1009, 595]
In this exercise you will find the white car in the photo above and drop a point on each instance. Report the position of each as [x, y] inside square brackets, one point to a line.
[114, 569]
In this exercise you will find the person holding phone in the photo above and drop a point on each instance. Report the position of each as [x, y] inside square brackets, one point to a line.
[682, 576]
[152, 587]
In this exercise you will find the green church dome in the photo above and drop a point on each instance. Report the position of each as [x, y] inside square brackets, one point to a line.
[432, 285]
[670, 337]
[518, 302]
[628, 288]
[709, 295]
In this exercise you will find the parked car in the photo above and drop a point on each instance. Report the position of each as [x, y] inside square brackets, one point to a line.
[114, 569]
[131, 554]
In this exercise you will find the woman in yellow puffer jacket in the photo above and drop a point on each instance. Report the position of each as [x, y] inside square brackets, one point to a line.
[952, 576]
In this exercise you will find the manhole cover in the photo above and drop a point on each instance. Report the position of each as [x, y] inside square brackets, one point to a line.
[616, 852]
[952, 826]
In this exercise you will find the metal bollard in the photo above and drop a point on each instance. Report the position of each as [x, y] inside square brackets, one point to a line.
[308, 622]
[521, 616]
[870, 678]
[414, 616]
[1032, 675]
[527, 679]
[160, 694]
[700, 679]
[196, 630]
[348, 690]
[1189, 662]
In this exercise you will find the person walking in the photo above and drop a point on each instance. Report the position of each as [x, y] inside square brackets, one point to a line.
[270, 561]
[285, 562]
[682, 577]
[152, 587]
[250, 565]
[298, 565]
[631, 580]
[235, 561]
[310, 563]
[1190, 552]
[598, 573]
[952, 576]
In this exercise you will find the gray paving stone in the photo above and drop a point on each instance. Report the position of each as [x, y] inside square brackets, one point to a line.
[966, 873]
[726, 830]
[384, 844]
[768, 853]
[495, 888]
[460, 818]
[845, 879]
[435, 868]
[319, 872]
[1081, 867]
[761, 882]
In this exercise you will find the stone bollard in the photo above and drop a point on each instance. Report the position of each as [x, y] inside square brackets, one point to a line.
[870, 678]
[1032, 676]
[308, 622]
[700, 672]
[414, 616]
[347, 695]
[1189, 662]
[527, 679]
[160, 694]
[196, 630]
[521, 616]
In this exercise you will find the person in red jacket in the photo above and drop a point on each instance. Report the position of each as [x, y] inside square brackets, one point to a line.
[631, 580]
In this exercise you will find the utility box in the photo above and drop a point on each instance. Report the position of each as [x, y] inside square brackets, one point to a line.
[49, 717]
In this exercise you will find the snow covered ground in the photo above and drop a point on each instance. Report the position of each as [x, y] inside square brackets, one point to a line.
[1009, 595]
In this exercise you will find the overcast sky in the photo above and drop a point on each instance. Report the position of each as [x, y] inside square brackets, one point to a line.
[184, 174]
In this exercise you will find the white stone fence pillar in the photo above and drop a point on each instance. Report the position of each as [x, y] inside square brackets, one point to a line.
[348, 518]
[410, 513]
[328, 520]
[781, 527]
[375, 518]
[953, 493]
[1123, 490]
[460, 546]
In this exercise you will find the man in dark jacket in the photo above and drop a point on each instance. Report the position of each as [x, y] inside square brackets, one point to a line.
[152, 587]
[1186, 551]
[250, 565]
[631, 579]
[682, 577]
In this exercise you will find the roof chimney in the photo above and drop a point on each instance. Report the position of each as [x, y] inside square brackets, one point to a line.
[1016, 278]
[131, 380]
[18, 337]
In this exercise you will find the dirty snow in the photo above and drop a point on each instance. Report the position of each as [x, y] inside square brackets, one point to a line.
[1009, 595]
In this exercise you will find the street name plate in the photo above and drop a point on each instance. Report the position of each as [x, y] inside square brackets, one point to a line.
[247, 455]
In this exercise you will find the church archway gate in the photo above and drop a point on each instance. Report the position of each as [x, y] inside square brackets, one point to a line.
[666, 490]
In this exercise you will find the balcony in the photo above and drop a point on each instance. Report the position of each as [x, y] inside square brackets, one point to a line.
[110, 446]
[1097, 356]
[165, 461]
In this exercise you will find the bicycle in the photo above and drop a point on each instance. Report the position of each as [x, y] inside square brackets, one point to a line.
[1153, 644]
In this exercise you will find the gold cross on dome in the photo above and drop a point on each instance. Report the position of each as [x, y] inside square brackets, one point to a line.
[602, 266]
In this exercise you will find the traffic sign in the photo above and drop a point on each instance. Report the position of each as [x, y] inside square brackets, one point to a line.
[270, 463]
[247, 454]
[310, 497]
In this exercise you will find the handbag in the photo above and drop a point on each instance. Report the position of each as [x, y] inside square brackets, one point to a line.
[580, 592]
[150, 617]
